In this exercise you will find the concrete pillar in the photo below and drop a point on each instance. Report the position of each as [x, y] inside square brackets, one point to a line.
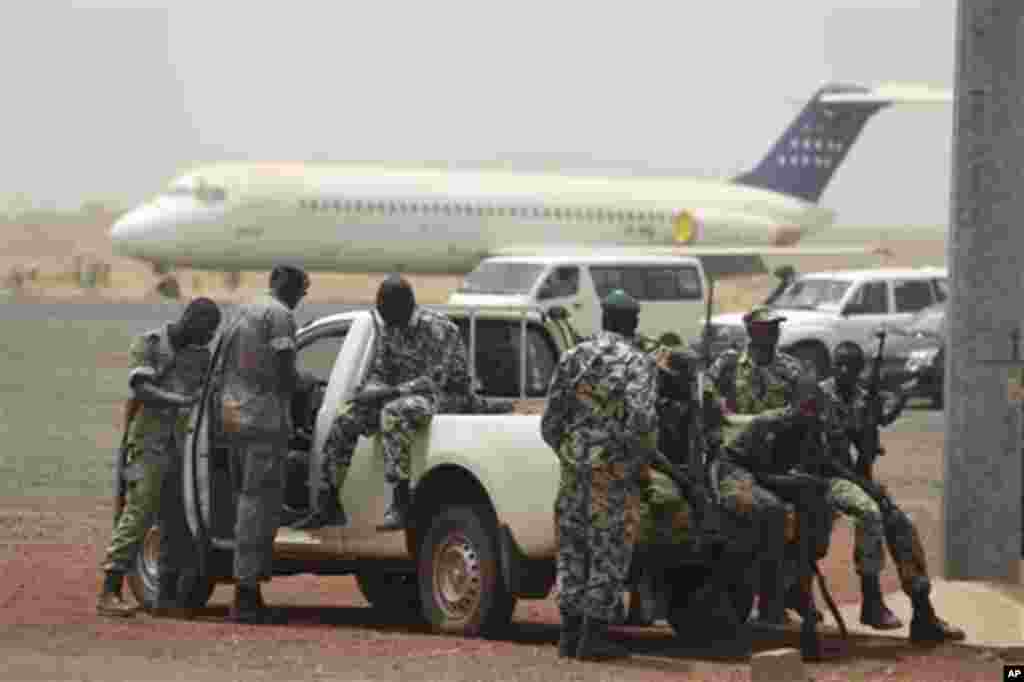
[983, 476]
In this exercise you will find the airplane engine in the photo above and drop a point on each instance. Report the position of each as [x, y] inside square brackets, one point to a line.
[692, 227]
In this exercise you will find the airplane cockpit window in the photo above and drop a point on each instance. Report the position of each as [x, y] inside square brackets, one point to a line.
[197, 188]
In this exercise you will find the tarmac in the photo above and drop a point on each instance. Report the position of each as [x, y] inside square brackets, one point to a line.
[990, 613]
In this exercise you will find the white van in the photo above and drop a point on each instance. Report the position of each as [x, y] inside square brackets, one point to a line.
[671, 289]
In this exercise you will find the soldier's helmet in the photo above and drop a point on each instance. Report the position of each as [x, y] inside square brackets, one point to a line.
[619, 300]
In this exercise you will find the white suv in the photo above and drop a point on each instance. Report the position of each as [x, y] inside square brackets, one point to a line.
[823, 309]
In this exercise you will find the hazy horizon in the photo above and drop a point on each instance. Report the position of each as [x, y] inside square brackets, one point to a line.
[110, 102]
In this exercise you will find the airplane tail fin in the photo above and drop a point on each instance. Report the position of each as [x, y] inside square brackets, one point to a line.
[803, 161]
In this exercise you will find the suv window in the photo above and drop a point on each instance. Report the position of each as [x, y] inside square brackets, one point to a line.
[941, 290]
[649, 282]
[912, 295]
[869, 299]
[562, 282]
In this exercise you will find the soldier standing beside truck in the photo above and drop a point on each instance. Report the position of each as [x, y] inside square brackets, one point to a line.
[167, 369]
[601, 406]
[259, 379]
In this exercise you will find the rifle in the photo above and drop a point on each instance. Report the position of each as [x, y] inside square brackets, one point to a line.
[706, 413]
[870, 445]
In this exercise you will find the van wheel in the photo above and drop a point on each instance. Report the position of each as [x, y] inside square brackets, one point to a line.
[459, 574]
[391, 592]
[143, 580]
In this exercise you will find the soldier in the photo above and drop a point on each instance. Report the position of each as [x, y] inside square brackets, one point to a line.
[418, 359]
[878, 520]
[757, 381]
[259, 380]
[599, 417]
[167, 369]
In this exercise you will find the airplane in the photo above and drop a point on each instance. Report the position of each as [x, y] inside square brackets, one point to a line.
[351, 217]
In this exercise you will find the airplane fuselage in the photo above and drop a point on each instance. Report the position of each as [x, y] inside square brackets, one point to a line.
[373, 218]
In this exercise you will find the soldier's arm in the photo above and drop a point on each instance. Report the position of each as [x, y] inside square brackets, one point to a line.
[142, 376]
[553, 424]
[280, 336]
[641, 399]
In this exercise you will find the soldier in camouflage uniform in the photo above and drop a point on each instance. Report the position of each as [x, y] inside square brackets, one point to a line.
[758, 381]
[876, 524]
[599, 418]
[167, 369]
[258, 382]
[418, 370]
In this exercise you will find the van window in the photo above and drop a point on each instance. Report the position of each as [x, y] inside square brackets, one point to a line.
[562, 282]
[492, 277]
[649, 282]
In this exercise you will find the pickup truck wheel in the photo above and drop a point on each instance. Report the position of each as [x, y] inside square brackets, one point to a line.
[143, 580]
[689, 609]
[459, 574]
[391, 592]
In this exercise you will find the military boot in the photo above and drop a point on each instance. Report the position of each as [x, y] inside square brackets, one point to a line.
[248, 606]
[594, 644]
[397, 513]
[569, 638]
[873, 611]
[110, 601]
[925, 626]
[328, 512]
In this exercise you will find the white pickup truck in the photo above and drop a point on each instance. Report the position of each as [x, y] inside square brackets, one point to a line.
[484, 487]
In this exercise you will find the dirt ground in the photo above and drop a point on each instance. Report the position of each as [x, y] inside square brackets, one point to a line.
[50, 549]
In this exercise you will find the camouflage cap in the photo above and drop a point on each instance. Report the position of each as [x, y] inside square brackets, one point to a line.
[618, 299]
[762, 314]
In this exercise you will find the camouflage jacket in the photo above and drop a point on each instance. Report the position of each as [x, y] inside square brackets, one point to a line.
[428, 356]
[153, 357]
[740, 386]
[601, 391]
[847, 414]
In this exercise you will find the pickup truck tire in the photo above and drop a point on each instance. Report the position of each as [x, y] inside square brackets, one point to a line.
[459, 574]
[142, 581]
[391, 592]
[688, 612]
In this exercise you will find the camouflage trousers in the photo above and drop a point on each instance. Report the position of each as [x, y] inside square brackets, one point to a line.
[665, 513]
[154, 493]
[874, 529]
[397, 422]
[755, 511]
[596, 519]
[258, 468]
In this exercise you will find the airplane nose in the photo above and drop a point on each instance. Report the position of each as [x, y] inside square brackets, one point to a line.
[135, 230]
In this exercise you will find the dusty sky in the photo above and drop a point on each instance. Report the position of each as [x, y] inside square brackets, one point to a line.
[107, 100]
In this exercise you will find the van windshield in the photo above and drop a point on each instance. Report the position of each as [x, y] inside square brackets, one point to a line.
[501, 278]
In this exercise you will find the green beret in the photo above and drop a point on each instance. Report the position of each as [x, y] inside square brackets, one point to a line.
[618, 299]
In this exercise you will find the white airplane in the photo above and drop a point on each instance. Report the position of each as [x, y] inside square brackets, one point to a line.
[373, 218]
